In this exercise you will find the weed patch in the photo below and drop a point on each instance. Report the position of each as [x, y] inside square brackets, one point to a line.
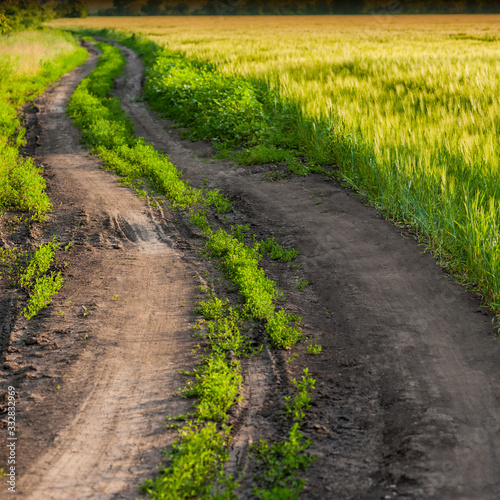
[279, 463]
[38, 282]
[194, 466]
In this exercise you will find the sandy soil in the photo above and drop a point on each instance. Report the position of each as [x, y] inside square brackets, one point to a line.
[407, 395]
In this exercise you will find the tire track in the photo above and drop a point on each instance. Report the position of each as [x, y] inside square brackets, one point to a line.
[121, 386]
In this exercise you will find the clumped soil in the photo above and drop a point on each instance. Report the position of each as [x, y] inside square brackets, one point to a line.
[406, 403]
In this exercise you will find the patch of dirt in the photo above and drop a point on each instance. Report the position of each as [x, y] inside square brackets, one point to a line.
[95, 373]
[407, 393]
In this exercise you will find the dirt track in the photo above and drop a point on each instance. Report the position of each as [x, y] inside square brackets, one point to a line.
[101, 433]
[407, 399]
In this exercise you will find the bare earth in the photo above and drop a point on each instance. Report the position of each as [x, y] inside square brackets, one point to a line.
[407, 395]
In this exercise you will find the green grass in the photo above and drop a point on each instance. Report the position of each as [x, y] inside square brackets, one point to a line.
[275, 251]
[296, 409]
[37, 281]
[408, 112]
[29, 62]
[194, 468]
[280, 462]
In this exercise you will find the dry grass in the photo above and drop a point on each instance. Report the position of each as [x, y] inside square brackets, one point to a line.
[23, 53]
[216, 26]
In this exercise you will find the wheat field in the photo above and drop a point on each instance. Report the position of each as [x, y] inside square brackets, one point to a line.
[407, 107]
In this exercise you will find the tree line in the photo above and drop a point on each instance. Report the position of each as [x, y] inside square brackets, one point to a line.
[304, 7]
[17, 15]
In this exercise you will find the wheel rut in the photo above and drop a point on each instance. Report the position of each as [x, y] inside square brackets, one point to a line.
[91, 419]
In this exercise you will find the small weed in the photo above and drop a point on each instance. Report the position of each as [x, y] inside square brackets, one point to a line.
[301, 402]
[198, 218]
[301, 284]
[277, 252]
[219, 202]
[314, 349]
[40, 284]
[279, 464]
[194, 465]
[115, 297]
[240, 231]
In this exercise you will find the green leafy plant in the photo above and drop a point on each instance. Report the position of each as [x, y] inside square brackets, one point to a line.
[280, 463]
[301, 284]
[194, 465]
[301, 402]
[35, 278]
[276, 251]
[314, 349]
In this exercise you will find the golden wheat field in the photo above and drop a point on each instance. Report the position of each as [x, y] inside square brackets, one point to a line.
[408, 107]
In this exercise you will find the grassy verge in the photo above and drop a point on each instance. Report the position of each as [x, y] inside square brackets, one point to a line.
[195, 463]
[29, 62]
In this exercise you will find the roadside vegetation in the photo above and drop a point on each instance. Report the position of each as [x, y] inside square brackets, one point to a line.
[195, 463]
[29, 62]
[413, 128]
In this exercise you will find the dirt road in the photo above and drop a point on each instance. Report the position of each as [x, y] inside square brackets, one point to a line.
[407, 394]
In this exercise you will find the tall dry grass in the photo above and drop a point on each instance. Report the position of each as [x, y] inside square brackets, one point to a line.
[23, 53]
